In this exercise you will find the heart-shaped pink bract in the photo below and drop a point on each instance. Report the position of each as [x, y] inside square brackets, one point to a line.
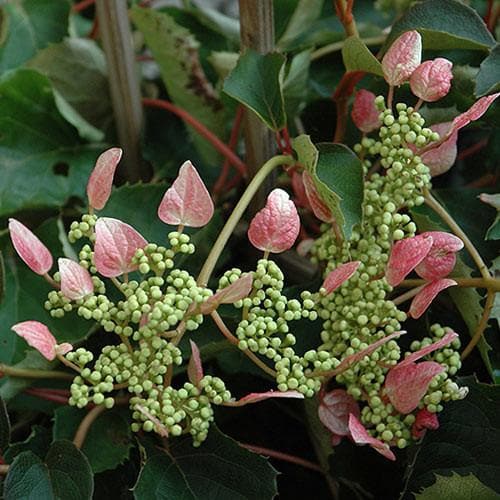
[101, 178]
[365, 114]
[424, 298]
[405, 255]
[115, 246]
[275, 228]
[402, 58]
[76, 282]
[321, 211]
[432, 79]
[339, 275]
[440, 260]
[360, 436]
[38, 336]
[187, 201]
[441, 159]
[229, 295]
[31, 250]
[255, 397]
[424, 420]
[334, 410]
[195, 368]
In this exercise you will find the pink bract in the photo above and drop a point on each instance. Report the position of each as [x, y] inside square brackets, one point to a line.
[424, 298]
[360, 435]
[187, 202]
[299, 190]
[334, 410]
[115, 246]
[440, 260]
[101, 178]
[229, 295]
[321, 211]
[38, 336]
[415, 356]
[339, 275]
[275, 228]
[402, 58]
[432, 79]
[405, 255]
[31, 250]
[474, 112]
[406, 384]
[76, 282]
[365, 114]
[441, 159]
[424, 420]
[195, 368]
[255, 397]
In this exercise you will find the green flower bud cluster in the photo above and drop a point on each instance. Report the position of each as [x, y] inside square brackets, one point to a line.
[83, 228]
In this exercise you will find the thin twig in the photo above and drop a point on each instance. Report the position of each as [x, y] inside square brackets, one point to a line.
[12, 371]
[334, 47]
[407, 295]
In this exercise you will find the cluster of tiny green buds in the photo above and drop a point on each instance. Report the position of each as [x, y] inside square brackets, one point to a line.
[83, 228]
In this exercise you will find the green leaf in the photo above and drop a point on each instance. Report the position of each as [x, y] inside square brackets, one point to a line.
[357, 57]
[304, 15]
[175, 50]
[218, 470]
[38, 442]
[65, 473]
[488, 78]
[295, 86]
[30, 25]
[457, 487]
[36, 147]
[4, 427]
[2, 277]
[447, 24]
[466, 442]
[256, 82]
[108, 441]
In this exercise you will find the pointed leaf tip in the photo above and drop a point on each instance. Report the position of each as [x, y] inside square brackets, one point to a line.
[195, 368]
[255, 397]
[76, 282]
[339, 275]
[229, 295]
[402, 58]
[38, 336]
[276, 227]
[115, 246]
[475, 112]
[360, 435]
[31, 250]
[101, 178]
[432, 79]
[187, 201]
[424, 298]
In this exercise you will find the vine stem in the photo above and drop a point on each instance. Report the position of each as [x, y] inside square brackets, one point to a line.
[12, 371]
[283, 456]
[491, 283]
[86, 424]
[407, 295]
[431, 202]
[343, 9]
[227, 333]
[67, 363]
[238, 211]
[201, 129]
[334, 47]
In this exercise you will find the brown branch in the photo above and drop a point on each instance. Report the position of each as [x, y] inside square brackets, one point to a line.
[86, 424]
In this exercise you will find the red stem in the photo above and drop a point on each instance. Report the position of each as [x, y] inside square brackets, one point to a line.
[201, 129]
[84, 4]
[233, 141]
[472, 149]
[283, 456]
[55, 395]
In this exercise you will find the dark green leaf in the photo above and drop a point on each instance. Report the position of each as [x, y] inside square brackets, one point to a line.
[256, 82]
[176, 51]
[304, 15]
[38, 442]
[357, 57]
[446, 24]
[109, 439]
[4, 427]
[488, 78]
[457, 488]
[30, 25]
[2, 277]
[296, 83]
[466, 442]
[36, 147]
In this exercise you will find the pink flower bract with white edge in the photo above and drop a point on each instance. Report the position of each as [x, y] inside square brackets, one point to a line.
[442, 158]
[101, 178]
[473, 113]
[76, 282]
[31, 250]
[402, 58]
[365, 114]
[115, 246]
[334, 410]
[187, 201]
[360, 435]
[195, 368]
[432, 79]
[338, 276]
[229, 295]
[275, 228]
[405, 255]
[441, 259]
[424, 298]
[321, 211]
[424, 420]
[38, 336]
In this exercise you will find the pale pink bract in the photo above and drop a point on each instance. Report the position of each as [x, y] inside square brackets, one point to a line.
[442, 158]
[473, 113]
[432, 79]
[187, 201]
[76, 282]
[275, 228]
[360, 435]
[338, 276]
[424, 298]
[31, 250]
[101, 178]
[255, 397]
[402, 58]
[115, 246]
[424, 420]
[195, 368]
[365, 114]
[319, 207]
[229, 295]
